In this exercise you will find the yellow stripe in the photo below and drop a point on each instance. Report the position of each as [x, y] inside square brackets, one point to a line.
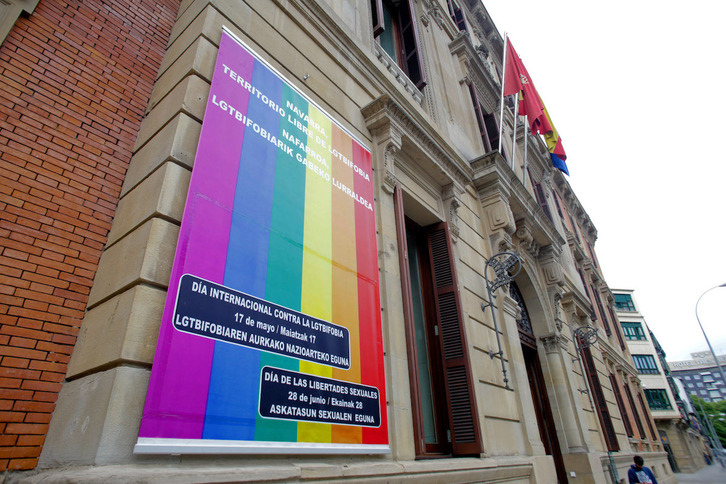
[317, 278]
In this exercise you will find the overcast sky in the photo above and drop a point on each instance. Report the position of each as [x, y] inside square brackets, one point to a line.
[636, 91]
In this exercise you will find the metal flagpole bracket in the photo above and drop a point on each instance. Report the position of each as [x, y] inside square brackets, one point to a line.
[506, 266]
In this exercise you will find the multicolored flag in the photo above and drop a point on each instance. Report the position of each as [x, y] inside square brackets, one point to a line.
[554, 145]
[518, 81]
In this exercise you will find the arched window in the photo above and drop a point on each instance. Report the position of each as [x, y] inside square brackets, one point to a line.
[524, 324]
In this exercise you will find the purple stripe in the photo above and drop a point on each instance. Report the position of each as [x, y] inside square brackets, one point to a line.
[177, 396]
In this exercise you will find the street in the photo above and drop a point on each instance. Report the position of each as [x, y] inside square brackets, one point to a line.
[713, 474]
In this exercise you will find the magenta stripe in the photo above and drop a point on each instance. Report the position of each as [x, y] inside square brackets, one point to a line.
[175, 410]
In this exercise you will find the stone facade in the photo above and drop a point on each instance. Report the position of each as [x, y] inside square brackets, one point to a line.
[557, 411]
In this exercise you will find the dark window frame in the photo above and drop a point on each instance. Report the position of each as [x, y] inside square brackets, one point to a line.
[634, 409]
[539, 195]
[445, 327]
[601, 406]
[457, 15]
[647, 416]
[621, 405]
[486, 122]
[637, 333]
[624, 302]
[658, 399]
[601, 311]
[645, 364]
[406, 37]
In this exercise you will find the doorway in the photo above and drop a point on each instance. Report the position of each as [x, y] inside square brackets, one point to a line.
[535, 377]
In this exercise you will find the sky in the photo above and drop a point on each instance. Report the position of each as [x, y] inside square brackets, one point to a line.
[634, 89]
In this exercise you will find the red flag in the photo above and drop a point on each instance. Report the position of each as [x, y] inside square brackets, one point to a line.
[517, 80]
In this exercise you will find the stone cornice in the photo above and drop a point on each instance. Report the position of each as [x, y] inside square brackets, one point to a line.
[575, 302]
[574, 206]
[417, 134]
[491, 171]
[431, 9]
[617, 357]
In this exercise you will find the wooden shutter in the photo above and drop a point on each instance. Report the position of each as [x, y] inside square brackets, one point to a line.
[407, 300]
[539, 195]
[377, 16]
[411, 46]
[492, 127]
[600, 309]
[621, 406]
[479, 114]
[636, 416]
[463, 415]
[617, 328]
[599, 399]
[457, 15]
[459, 19]
[646, 416]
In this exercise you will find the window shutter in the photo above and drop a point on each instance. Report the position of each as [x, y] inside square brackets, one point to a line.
[408, 317]
[638, 422]
[457, 15]
[479, 114]
[599, 399]
[377, 16]
[540, 196]
[492, 127]
[600, 309]
[464, 418]
[459, 19]
[621, 406]
[646, 416]
[412, 57]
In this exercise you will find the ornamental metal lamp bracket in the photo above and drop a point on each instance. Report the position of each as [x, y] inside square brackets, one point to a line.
[502, 264]
[584, 337]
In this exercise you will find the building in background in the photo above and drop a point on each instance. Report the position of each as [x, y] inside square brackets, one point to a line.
[307, 171]
[681, 439]
[700, 376]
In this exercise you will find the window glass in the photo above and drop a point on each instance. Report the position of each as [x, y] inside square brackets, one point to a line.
[422, 352]
[633, 331]
[624, 302]
[387, 38]
[658, 399]
[645, 364]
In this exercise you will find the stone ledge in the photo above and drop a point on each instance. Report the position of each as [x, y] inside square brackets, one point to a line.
[513, 470]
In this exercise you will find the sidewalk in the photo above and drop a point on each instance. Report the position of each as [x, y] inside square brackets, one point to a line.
[713, 474]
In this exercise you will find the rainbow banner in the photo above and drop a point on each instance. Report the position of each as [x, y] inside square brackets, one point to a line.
[271, 337]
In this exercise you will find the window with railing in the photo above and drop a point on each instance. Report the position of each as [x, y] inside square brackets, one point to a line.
[394, 28]
[658, 399]
[633, 331]
[624, 302]
[645, 364]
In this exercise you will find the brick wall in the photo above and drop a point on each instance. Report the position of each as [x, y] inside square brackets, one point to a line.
[75, 79]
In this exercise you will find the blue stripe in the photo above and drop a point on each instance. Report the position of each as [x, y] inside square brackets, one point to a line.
[234, 382]
[559, 163]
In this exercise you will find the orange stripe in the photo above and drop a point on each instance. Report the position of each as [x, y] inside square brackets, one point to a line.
[345, 280]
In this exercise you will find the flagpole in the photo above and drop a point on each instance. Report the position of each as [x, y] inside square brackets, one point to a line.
[501, 98]
[524, 169]
[514, 130]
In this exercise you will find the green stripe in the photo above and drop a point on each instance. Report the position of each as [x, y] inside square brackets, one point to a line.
[284, 266]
